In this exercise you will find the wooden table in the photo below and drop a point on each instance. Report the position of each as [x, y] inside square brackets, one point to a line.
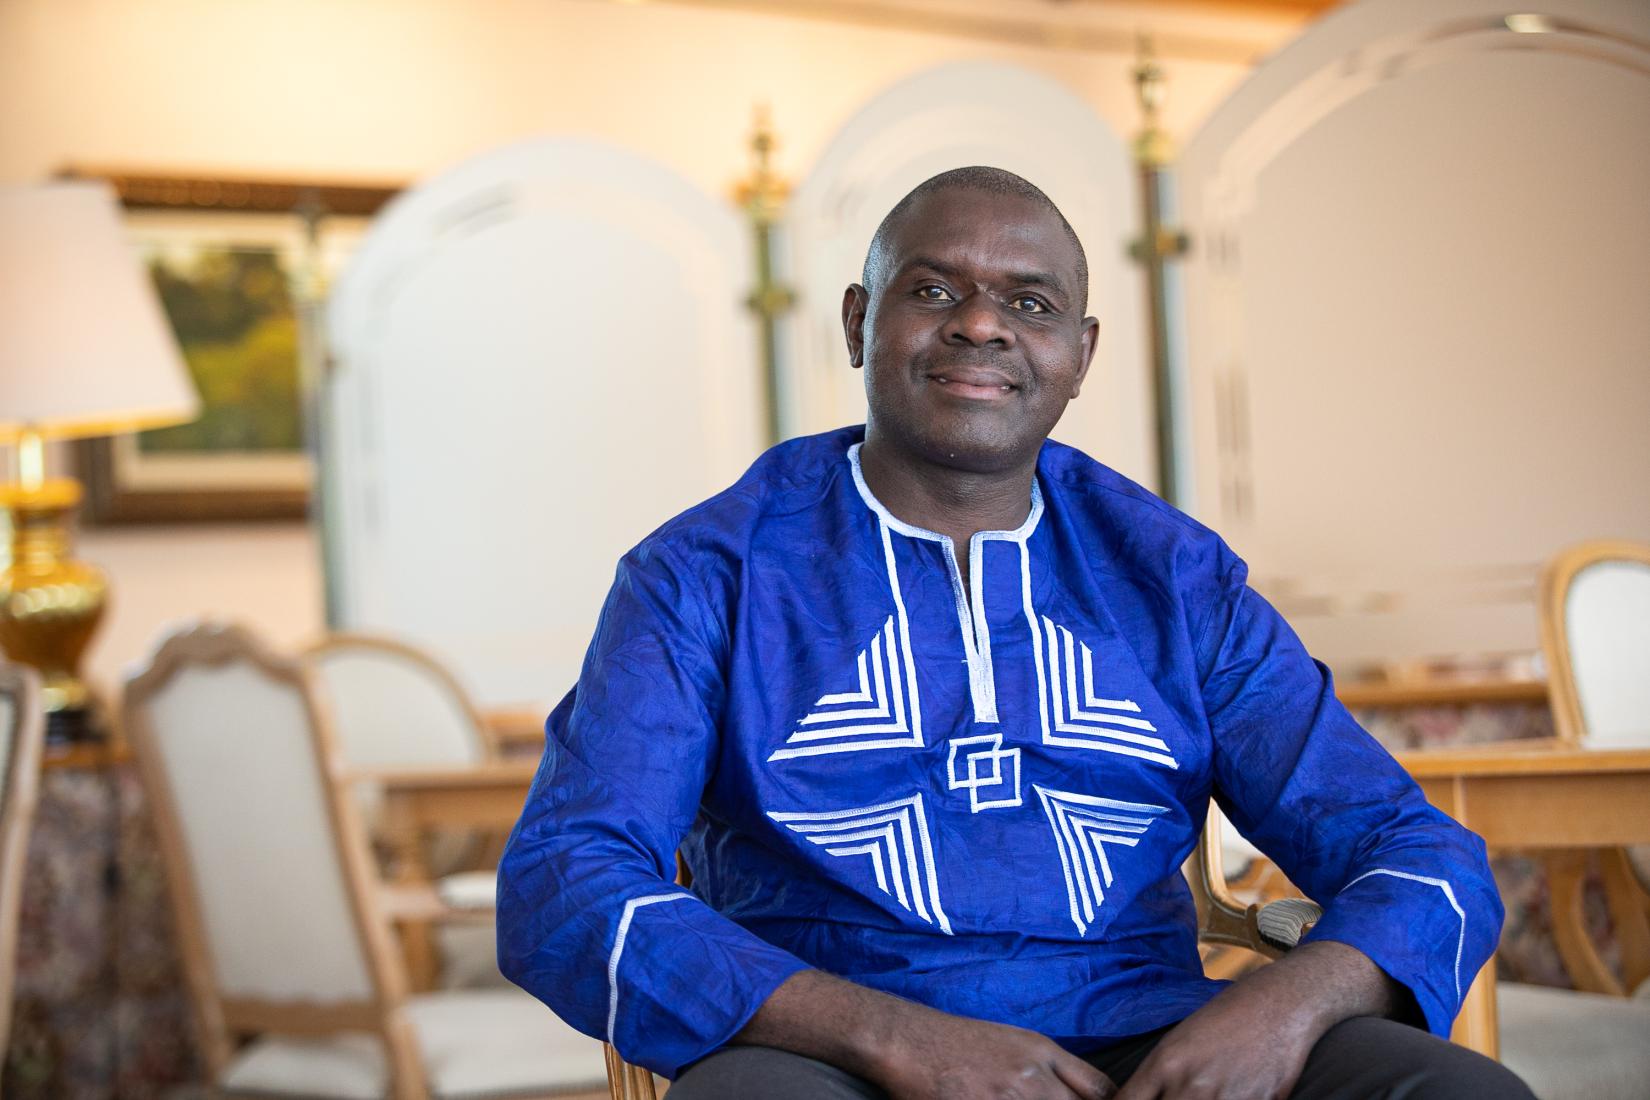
[1438, 692]
[1533, 796]
[420, 800]
[517, 730]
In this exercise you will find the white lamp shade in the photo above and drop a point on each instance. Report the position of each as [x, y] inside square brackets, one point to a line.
[84, 346]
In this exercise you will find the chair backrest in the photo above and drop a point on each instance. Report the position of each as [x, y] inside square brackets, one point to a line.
[268, 864]
[392, 704]
[1595, 631]
[21, 730]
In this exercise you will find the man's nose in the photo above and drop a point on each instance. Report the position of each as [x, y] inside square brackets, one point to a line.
[978, 321]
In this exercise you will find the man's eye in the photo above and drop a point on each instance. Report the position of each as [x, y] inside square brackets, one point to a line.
[933, 293]
[1025, 303]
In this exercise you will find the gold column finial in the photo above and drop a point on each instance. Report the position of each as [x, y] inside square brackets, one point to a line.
[1152, 249]
[1151, 146]
[763, 192]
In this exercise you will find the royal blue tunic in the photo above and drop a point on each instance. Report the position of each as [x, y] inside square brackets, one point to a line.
[978, 798]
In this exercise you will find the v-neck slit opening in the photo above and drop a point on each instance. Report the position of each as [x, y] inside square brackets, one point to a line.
[972, 621]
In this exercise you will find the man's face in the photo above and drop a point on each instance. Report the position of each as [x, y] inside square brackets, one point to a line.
[974, 340]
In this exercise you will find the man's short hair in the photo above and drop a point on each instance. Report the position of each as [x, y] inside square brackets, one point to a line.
[978, 177]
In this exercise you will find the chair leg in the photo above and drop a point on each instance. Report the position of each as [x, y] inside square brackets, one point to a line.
[1630, 916]
[405, 1064]
[1566, 882]
[625, 1081]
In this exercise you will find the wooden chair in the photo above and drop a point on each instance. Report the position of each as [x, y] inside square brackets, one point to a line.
[400, 703]
[1595, 634]
[1591, 1042]
[21, 731]
[1261, 912]
[394, 705]
[283, 926]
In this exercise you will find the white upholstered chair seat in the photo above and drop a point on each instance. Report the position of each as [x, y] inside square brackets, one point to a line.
[469, 951]
[1568, 1044]
[477, 1043]
[469, 889]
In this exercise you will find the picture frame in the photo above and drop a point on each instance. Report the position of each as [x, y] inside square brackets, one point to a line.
[241, 267]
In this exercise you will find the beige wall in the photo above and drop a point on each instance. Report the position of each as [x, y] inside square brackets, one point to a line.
[398, 89]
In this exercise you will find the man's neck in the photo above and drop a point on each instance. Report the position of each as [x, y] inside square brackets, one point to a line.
[953, 502]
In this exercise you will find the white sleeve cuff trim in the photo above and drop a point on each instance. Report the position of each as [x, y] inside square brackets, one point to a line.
[630, 908]
[1460, 943]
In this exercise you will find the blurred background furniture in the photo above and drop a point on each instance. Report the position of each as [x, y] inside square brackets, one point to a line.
[393, 705]
[1567, 1045]
[20, 736]
[1595, 632]
[65, 378]
[284, 925]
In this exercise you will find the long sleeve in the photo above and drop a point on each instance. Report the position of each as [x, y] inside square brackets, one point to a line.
[1398, 879]
[589, 920]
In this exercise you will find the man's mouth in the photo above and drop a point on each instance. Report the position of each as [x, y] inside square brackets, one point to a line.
[974, 386]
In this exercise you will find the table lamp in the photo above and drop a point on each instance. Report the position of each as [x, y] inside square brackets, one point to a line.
[84, 350]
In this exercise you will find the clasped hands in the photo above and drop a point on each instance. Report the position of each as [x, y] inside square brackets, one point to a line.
[1250, 1042]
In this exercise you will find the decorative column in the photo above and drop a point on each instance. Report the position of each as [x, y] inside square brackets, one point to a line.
[1156, 245]
[308, 286]
[762, 195]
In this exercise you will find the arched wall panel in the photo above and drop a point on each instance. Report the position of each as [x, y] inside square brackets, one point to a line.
[1417, 339]
[541, 356]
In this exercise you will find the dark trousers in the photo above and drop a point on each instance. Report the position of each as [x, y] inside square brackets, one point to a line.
[1359, 1059]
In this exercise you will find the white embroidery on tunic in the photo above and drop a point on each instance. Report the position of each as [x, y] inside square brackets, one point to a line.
[1085, 721]
[1083, 825]
[993, 755]
[888, 704]
[841, 721]
[881, 708]
[974, 628]
[894, 835]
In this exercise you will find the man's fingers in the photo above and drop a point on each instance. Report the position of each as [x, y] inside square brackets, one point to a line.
[1082, 1078]
[1144, 1085]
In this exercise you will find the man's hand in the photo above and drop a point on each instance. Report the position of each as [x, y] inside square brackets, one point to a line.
[943, 1057]
[917, 1053]
[1251, 1042]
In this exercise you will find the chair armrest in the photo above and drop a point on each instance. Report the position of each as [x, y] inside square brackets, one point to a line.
[1282, 923]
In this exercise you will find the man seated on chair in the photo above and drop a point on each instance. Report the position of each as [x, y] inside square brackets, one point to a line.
[933, 709]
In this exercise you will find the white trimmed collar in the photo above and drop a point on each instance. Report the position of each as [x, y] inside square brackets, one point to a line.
[1019, 534]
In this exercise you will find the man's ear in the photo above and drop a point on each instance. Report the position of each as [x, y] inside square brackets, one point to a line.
[1090, 340]
[854, 302]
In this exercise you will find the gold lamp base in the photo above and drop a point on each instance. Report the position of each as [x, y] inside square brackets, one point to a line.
[50, 604]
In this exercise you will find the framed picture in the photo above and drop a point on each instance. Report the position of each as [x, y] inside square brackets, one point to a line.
[240, 267]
